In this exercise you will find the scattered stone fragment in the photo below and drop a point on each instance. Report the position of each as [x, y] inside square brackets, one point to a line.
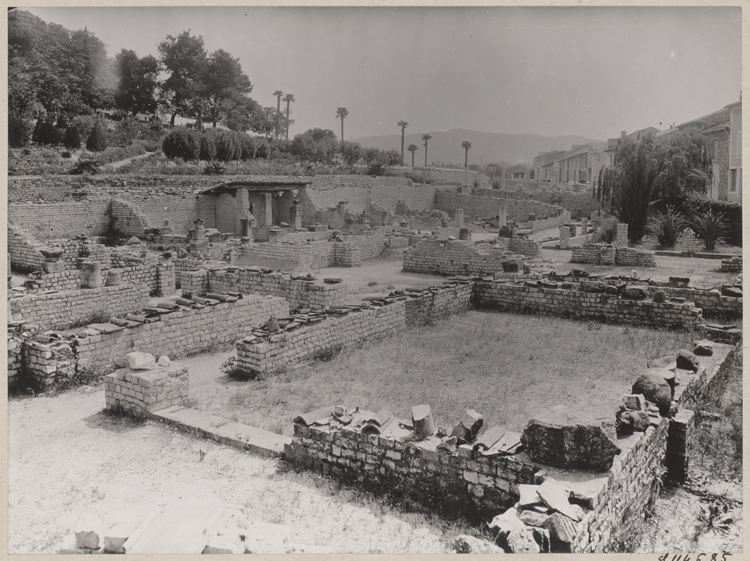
[421, 416]
[507, 522]
[141, 361]
[655, 389]
[627, 422]
[635, 292]
[634, 402]
[733, 291]
[522, 541]
[533, 518]
[660, 296]
[541, 535]
[556, 496]
[470, 544]
[88, 529]
[528, 495]
[687, 361]
[561, 528]
[133, 241]
[703, 347]
[164, 361]
[468, 427]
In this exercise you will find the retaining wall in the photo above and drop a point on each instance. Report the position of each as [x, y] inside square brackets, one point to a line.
[280, 350]
[23, 249]
[523, 298]
[489, 207]
[61, 220]
[59, 309]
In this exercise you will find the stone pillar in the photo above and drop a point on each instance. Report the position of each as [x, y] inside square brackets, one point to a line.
[267, 217]
[90, 274]
[52, 263]
[564, 236]
[198, 240]
[678, 444]
[295, 215]
[459, 217]
[245, 228]
[584, 226]
[622, 235]
[464, 234]
[503, 216]
[572, 230]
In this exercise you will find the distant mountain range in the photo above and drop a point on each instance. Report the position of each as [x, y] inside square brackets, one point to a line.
[486, 147]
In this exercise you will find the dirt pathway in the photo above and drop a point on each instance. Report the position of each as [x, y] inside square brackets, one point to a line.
[66, 457]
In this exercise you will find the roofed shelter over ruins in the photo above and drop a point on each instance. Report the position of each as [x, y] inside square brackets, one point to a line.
[264, 201]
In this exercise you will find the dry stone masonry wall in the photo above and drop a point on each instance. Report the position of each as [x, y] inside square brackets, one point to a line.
[57, 310]
[609, 254]
[275, 352]
[141, 392]
[530, 297]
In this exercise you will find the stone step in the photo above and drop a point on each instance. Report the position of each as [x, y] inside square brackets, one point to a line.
[207, 425]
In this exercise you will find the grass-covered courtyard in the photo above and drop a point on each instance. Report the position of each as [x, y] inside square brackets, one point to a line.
[507, 367]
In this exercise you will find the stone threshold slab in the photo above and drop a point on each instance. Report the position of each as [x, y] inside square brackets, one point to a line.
[207, 425]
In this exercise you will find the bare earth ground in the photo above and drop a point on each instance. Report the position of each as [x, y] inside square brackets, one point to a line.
[67, 458]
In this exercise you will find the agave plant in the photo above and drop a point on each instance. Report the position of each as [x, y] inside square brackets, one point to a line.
[710, 228]
[667, 226]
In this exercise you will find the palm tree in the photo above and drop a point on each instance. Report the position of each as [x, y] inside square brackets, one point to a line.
[289, 98]
[342, 113]
[412, 148]
[426, 137]
[403, 125]
[466, 145]
[278, 94]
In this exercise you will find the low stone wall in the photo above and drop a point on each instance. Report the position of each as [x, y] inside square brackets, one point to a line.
[607, 254]
[731, 265]
[299, 293]
[528, 298]
[523, 246]
[23, 249]
[141, 392]
[59, 309]
[452, 482]
[182, 332]
[314, 254]
[278, 351]
[713, 304]
[488, 207]
[455, 257]
[548, 223]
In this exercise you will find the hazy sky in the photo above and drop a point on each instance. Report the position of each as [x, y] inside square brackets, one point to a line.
[551, 71]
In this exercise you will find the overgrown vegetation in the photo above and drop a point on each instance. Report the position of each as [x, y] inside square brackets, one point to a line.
[667, 226]
[607, 231]
[98, 316]
[710, 227]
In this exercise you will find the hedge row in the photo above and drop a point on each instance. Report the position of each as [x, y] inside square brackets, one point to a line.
[221, 145]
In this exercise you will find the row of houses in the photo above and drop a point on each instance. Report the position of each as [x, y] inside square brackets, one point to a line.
[722, 129]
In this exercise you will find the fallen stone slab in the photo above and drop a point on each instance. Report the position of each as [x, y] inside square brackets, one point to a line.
[506, 522]
[557, 496]
[568, 440]
[561, 528]
[141, 361]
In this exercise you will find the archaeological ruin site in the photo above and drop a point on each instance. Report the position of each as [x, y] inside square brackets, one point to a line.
[120, 284]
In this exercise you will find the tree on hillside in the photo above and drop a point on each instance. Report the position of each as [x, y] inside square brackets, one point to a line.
[652, 172]
[403, 125]
[184, 58]
[426, 138]
[351, 152]
[412, 148]
[342, 113]
[263, 121]
[315, 145]
[289, 98]
[225, 85]
[466, 145]
[136, 91]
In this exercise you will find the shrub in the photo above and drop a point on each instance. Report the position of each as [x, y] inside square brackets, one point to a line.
[72, 139]
[225, 146]
[46, 133]
[351, 152]
[86, 167]
[208, 147]
[694, 205]
[710, 228]
[248, 147]
[261, 149]
[97, 140]
[607, 232]
[182, 143]
[84, 124]
[667, 226]
[66, 154]
[214, 168]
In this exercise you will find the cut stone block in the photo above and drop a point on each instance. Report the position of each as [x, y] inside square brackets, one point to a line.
[141, 361]
[561, 528]
[556, 496]
[507, 522]
[163, 361]
[568, 440]
[468, 427]
[522, 541]
[421, 416]
[635, 402]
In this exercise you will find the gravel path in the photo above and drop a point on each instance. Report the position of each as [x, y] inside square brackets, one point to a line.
[66, 457]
